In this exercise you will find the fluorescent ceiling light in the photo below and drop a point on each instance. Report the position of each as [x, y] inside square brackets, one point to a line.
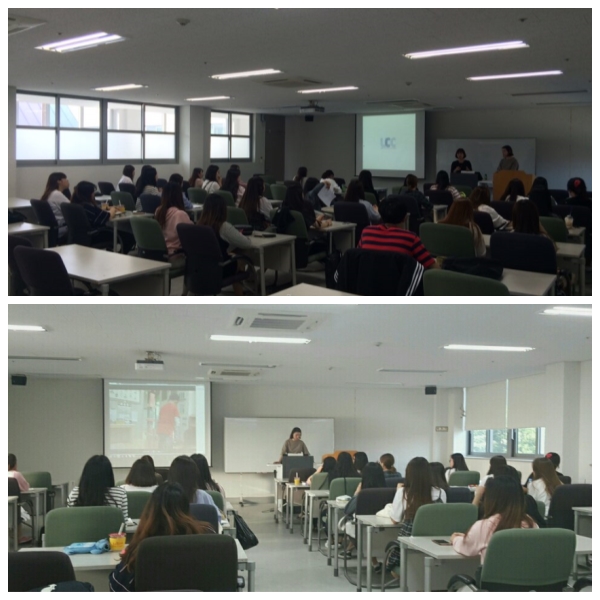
[488, 348]
[229, 366]
[118, 88]
[515, 76]
[80, 43]
[246, 74]
[468, 50]
[209, 99]
[258, 340]
[570, 311]
[25, 328]
[324, 91]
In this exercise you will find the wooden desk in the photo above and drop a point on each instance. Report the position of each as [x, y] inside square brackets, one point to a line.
[276, 253]
[13, 522]
[37, 233]
[304, 289]
[133, 276]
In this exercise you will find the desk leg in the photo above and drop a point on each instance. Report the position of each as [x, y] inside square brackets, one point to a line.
[115, 237]
[582, 276]
[336, 535]
[263, 285]
[359, 551]
[291, 504]
[293, 262]
[310, 523]
[45, 242]
[329, 517]
[428, 565]
[369, 554]
[353, 237]
[251, 566]
[166, 283]
[403, 568]
[330, 242]
[14, 522]
[104, 289]
[305, 512]
[287, 507]
[276, 511]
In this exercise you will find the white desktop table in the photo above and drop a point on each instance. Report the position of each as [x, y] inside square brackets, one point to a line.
[581, 512]
[525, 283]
[576, 235]
[13, 522]
[276, 253]
[38, 496]
[133, 276]
[37, 233]
[310, 498]
[344, 234]
[18, 203]
[305, 289]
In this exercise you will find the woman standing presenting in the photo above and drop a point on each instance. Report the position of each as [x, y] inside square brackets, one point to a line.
[294, 445]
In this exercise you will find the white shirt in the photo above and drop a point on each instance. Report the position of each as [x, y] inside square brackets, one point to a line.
[498, 221]
[55, 199]
[211, 186]
[125, 179]
[537, 489]
[399, 504]
[265, 207]
[448, 473]
[335, 188]
[135, 488]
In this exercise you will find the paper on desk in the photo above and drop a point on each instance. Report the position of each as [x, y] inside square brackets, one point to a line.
[326, 196]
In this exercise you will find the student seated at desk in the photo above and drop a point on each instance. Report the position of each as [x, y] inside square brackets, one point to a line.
[205, 480]
[233, 186]
[328, 466]
[554, 458]
[13, 472]
[514, 192]
[496, 462]
[411, 188]
[355, 193]
[526, 219]
[128, 175]
[146, 184]
[255, 205]
[166, 513]
[480, 199]
[294, 200]
[461, 215]
[344, 467]
[197, 178]
[158, 476]
[53, 194]
[141, 477]
[178, 179]
[438, 476]
[457, 463]
[97, 487]
[171, 213]
[578, 195]
[545, 481]
[366, 180]
[387, 463]
[442, 184]
[212, 180]
[360, 461]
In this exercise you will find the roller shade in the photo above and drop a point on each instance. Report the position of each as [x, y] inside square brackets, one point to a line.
[527, 402]
[486, 406]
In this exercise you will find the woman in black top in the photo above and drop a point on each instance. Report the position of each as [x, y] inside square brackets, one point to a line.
[460, 164]
[366, 178]
[294, 200]
[578, 195]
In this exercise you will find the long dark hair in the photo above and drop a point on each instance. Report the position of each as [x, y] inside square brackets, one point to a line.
[12, 461]
[166, 513]
[301, 174]
[372, 476]
[231, 183]
[366, 178]
[205, 480]
[183, 470]
[544, 469]
[480, 195]
[172, 197]
[196, 174]
[328, 464]
[149, 459]
[459, 462]
[214, 213]
[295, 430]
[442, 180]
[495, 463]
[147, 178]
[128, 171]
[417, 486]
[84, 193]
[294, 199]
[96, 479]
[344, 467]
[250, 202]
[461, 215]
[141, 474]
[52, 184]
[526, 218]
[514, 188]
[355, 191]
[504, 496]
[211, 173]
[360, 460]
[438, 476]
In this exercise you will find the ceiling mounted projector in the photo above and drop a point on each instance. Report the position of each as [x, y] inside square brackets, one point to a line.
[311, 109]
[152, 362]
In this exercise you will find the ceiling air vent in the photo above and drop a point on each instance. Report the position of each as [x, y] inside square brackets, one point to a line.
[20, 24]
[233, 373]
[562, 93]
[276, 321]
[292, 82]
[420, 372]
[411, 104]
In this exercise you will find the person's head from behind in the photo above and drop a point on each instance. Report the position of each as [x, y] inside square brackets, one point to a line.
[205, 480]
[12, 462]
[84, 193]
[438, 475]
[212, 172]
[460, 154]
[504, 496]
[96, 478]
[544, 469]
[526, 218]
[554, 458]
[328, 174]
[302, 173]
[296, 434]
[148, 176]
[457, 461]
[183, 470]
[417, 484]
[149, 459]
[507, 151]
[232, 179]
[328, 465]
[460, 214]
[366, 178]
[294, 198]
[171, 197]
[577, 188]
[141, 474]
[214, 212]
[508, 471]
[372, 476]
[345, 465]
[129, 171]
[309, 185]
[480, 196]
[442, 180]
[355, 191]
[360, 460]
[514, 189]
[56, 182]
[255, 189]
[411, 182]
[495, 463]
[387, 462]
[176, 178]
[540, 183]
[393, 211]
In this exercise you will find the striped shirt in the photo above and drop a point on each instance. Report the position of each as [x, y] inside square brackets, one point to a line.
[455, 193]
[115, 496]
[388, 238]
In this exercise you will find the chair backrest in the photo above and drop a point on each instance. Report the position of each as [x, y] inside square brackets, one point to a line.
[541, 506]
[43, 272]
[465, 478]
[447, 240]
[229, 199]
[369, 502]
[352, 212]
[149, 203]
[459, 494]
[30, 570]
[197, 195]
[559, 195]
[504, 209]
[463, 189]
[236, 216]
[319, 481]
[412, 208]
[268, 193]
[204, 274]
[39, 479]
[127, 187]
[437, 282]
[527, 560]
[17, 284]
[343, 486]
[66, 526]
[217, 499]
[556, 228]
[392, 482]
[123, 199]
[440, 198]
[206, 513]
[149, 239]
[278, 191]
[524, 252]
[371, 197]
[564, 498]
[444, 519]
[136, 502]
[106, 188]
[184, 562]
[78, 226]
[13, 487]
[565, 479]
[45, 216]
[484, 222]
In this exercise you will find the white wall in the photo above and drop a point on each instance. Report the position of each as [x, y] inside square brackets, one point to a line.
[585, 423]
[12, 163]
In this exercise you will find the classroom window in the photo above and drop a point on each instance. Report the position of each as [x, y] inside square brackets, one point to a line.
[36, 127]
[516, 443]
[230, 136]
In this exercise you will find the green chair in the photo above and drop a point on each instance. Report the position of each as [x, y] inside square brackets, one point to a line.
[370, 197]
[66, 526]
[397, 190]
[319, 481]
[303, 245]
[197, 195]
[278, 191]
[444, 519]
[437, 282]
[120, 483]
[229, 199]
[556, 228]
[447, 240]
[464, 478]
[123, 199]
[136, 502]
[464, 189]
[343, 487]
[524, 560]
[268, 192]
[541, 508]
[217, 499]
[236, 216]
[269, 180]
[151, 244]
[42, 479]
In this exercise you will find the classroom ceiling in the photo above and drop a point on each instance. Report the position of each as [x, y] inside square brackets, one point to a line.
[348, 345]
[360, 47]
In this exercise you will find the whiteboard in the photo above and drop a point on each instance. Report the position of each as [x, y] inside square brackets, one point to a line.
[485, 155]
[250, 444]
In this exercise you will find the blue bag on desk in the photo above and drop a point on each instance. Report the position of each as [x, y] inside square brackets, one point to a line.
[88, 547]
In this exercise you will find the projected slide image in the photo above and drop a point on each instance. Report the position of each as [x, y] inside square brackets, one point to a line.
[389, 142]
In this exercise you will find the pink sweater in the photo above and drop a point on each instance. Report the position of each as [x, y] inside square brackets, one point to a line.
[478, 538]
[23, 485]
[174, 217]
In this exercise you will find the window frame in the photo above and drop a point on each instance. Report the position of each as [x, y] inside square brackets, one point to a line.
[512, 445]
[229, 136]
[103, 130]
